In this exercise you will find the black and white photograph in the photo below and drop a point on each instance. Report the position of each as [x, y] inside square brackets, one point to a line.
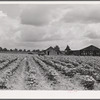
[49, 46]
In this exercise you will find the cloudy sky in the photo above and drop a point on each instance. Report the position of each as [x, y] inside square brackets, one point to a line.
[36, 26]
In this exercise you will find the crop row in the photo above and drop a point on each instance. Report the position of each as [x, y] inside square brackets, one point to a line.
[49, 72]
[83, 70]
[30, 75]
[11, 70]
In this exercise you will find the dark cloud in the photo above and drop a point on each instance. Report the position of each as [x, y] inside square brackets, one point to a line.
[83, 14]
[37, 15]
[93, 36]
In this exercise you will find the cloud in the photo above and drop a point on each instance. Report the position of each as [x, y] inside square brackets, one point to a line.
[41, 26]
[8, 28]
[76, 25]
[60, 22]
[83, 14]
[31, 33]
[54, 32]
[28, 33]
[10, 9]
[36, 15]
[93, 36]
[39, 15]
[93, 31]
[2, 14]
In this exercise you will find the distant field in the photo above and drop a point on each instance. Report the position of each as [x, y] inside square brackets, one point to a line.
[33, 72]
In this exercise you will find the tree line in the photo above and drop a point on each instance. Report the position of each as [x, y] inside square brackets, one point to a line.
[17, 50]
[57, 48]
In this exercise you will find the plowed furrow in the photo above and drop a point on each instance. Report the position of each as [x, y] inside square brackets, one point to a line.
[34, 78]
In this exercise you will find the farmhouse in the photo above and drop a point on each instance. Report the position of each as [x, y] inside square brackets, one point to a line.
[88, 51]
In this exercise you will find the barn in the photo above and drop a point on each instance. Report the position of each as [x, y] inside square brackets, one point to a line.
[87, 51]
[52, 51]
[91, 51]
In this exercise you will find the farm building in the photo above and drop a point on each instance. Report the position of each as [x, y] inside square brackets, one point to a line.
[88, 51]
[50, 51]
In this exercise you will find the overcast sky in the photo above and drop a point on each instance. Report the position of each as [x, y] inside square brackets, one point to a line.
[40, 26]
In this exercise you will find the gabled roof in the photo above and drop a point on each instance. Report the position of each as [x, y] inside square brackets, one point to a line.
[91, 47]
[50, 48]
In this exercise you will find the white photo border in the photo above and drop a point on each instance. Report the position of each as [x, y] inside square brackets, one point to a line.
[44, 94]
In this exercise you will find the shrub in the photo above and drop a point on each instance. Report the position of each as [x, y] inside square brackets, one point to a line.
[87, 81]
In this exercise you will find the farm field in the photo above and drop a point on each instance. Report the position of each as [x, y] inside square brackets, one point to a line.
[33, 72]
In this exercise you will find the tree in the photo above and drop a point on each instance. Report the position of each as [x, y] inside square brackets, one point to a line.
[20, 50]
[37, 50]
[28, 50]
[57, 48]
[33, 50]
[67, 50]
[5, 49]
[24, 50]
[15, 50]
[0, 48]
[11, 50]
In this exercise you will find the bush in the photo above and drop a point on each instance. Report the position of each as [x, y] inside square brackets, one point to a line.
[87, 82]
[96, 76]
